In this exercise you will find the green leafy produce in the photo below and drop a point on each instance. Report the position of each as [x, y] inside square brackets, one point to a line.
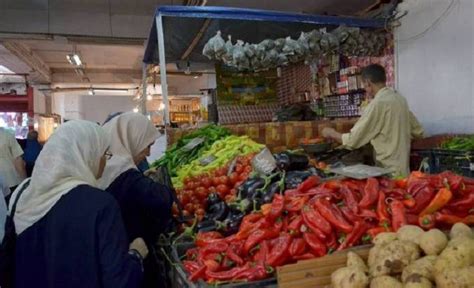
[465, 143]
[220, 153]
[180, 154]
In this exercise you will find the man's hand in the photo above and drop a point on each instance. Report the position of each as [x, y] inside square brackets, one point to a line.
[139, 245]
[331, 133]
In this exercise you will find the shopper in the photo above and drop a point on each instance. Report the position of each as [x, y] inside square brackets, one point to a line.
[70, 234]
[32, 150]
[145, 205]
[3, 207]
[386, 123]
[12, 166]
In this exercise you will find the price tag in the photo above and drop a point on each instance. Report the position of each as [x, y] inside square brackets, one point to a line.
[208, 160]
[471, 166]
[192, 144]
[264, 163]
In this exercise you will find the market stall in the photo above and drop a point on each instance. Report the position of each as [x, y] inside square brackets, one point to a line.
[251, 213]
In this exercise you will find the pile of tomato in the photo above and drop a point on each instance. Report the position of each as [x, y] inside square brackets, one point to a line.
[196, 189]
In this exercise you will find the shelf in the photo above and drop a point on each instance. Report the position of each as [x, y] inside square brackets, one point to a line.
[348, 93]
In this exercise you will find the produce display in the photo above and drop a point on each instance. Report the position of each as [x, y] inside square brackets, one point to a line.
[311, 219]
[413, 258]
[465, 143]
[190, 147]
[218, 155]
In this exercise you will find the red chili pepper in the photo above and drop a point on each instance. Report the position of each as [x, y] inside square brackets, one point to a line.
[409, 201]
[468, 181]
[292, 192]
[333, 185]
[373, 232]
[427, 221]
[257, 272]
[225, 275]
[297, 247]
[331, 241]
[212, 265]
[204, 238]
[382, 211]
[309, 183]
[284, 226]
[352, 238]
[398, 214]
[455, 181]
[401, 183]
[333, 215]
[319, 192]
[412, 219]
[367, 214]
[261, 255]
[190, 266]
[347, 212]
[296, 203]
[257, 237]
[215, 247]
[317, 247]
[295, 225]
[441, 198]
[278, 205]
[313, 219]
[371, 193]
[452, 219]
[349, 198]
[232, 255]
[260, 224]
[463, 204]
[422, 199]
[305, 256]
[279, 251]
[198, 274]
[315, 230]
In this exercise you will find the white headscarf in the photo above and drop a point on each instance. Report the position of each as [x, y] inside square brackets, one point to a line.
[70, 158]
[130, 134]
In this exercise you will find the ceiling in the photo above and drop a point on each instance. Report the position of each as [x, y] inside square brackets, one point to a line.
[108, 34]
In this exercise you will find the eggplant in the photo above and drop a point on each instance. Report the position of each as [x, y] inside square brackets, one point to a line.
[289, 161]
[252, 189]
[218, 211]
[242, 190]
[212, 199]
[294, 178]
[272, 189]
[206, 226]
[233, 223]
[243, 206]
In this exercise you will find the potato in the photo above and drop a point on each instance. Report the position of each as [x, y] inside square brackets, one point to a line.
[349, 277]
[373, 253]
[460, 230]
[354, 260]
[459, 278]
[385, 238]
[433, 242]
[410, 233]
[458, 254]
[416, 281]
[422, 267]
[385, 282]
[393, 258]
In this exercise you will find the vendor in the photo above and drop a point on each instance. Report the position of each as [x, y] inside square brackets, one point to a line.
[145, 205]
[387, 123]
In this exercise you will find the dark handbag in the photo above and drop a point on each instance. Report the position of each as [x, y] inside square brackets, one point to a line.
[7, 247]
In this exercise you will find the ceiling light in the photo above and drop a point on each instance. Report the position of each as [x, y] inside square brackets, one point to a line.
[74, 59]
[162, 106]
[113, 90]
[91, 92]
[196, 77]
[36, 125]
[135, 110]
[149, 97]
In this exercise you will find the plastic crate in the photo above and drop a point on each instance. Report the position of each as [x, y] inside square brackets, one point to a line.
[181, 278]
[422, 158]
[461, 162]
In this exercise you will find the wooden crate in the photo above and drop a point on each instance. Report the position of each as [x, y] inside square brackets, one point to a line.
[316, 272]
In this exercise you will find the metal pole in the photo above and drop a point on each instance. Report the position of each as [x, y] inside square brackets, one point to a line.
[161, 51]
[144, 86]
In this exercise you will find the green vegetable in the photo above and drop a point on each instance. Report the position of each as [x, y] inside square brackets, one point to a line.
[177, 155]
[465, 143]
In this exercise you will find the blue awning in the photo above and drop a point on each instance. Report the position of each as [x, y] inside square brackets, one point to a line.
[182, 23]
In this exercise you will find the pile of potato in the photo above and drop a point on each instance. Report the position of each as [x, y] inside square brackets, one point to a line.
[413, 258]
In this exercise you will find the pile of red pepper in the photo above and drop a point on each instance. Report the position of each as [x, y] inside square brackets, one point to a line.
[318, 218]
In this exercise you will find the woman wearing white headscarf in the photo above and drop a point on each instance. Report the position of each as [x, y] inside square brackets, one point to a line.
[71, 234]
[145, 205]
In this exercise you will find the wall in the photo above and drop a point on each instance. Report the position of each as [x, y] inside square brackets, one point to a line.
[97, 107]
[435, 69]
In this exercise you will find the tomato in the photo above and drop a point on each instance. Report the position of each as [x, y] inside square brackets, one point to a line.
[229, 198]
[206, 182]
[243, 176]
[322, 165]
[224, 180]
[191, 185]
[239, 168]
[234, 178]
[223, 190]
[200, 211]
[248, 169]
[184, 199]
[174, 209]
[216, 181]
[196, 207]
[201, 193]
[186, 180]
[189, 207]
[186, 213]
[221, 171]
[233, 191]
